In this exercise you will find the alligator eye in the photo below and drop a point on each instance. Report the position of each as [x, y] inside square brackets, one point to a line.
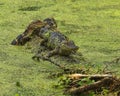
[50, 23]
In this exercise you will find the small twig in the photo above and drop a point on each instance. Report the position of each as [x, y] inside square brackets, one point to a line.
[78, 76]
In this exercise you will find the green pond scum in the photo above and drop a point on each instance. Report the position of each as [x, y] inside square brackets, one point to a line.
[94, 26]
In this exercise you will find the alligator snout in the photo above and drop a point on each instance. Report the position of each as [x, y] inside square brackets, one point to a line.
[72, 46]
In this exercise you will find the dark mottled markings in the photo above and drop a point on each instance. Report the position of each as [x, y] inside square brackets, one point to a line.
[31, 8]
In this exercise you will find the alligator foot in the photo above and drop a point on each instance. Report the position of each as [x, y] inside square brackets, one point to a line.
[36, 57]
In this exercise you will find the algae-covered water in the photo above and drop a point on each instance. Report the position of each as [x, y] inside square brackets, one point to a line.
[94, 25]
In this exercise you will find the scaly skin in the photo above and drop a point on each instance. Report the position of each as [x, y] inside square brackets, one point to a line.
[34, 28]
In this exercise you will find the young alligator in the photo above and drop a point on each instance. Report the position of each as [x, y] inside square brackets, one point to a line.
[34, 28]
[57, 42]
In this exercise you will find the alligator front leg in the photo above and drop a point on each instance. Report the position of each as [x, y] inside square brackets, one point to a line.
[53, 52]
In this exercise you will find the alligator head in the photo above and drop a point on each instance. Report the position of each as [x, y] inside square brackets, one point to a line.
[68, 47]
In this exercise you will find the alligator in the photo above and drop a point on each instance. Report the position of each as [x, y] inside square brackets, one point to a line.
[52, 39]
[58, 43]
[34, 28]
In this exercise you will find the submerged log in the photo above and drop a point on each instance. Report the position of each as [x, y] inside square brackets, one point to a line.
[93, 86]
[107, 81]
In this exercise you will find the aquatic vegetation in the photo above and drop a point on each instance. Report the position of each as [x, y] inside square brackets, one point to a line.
[93, 25]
